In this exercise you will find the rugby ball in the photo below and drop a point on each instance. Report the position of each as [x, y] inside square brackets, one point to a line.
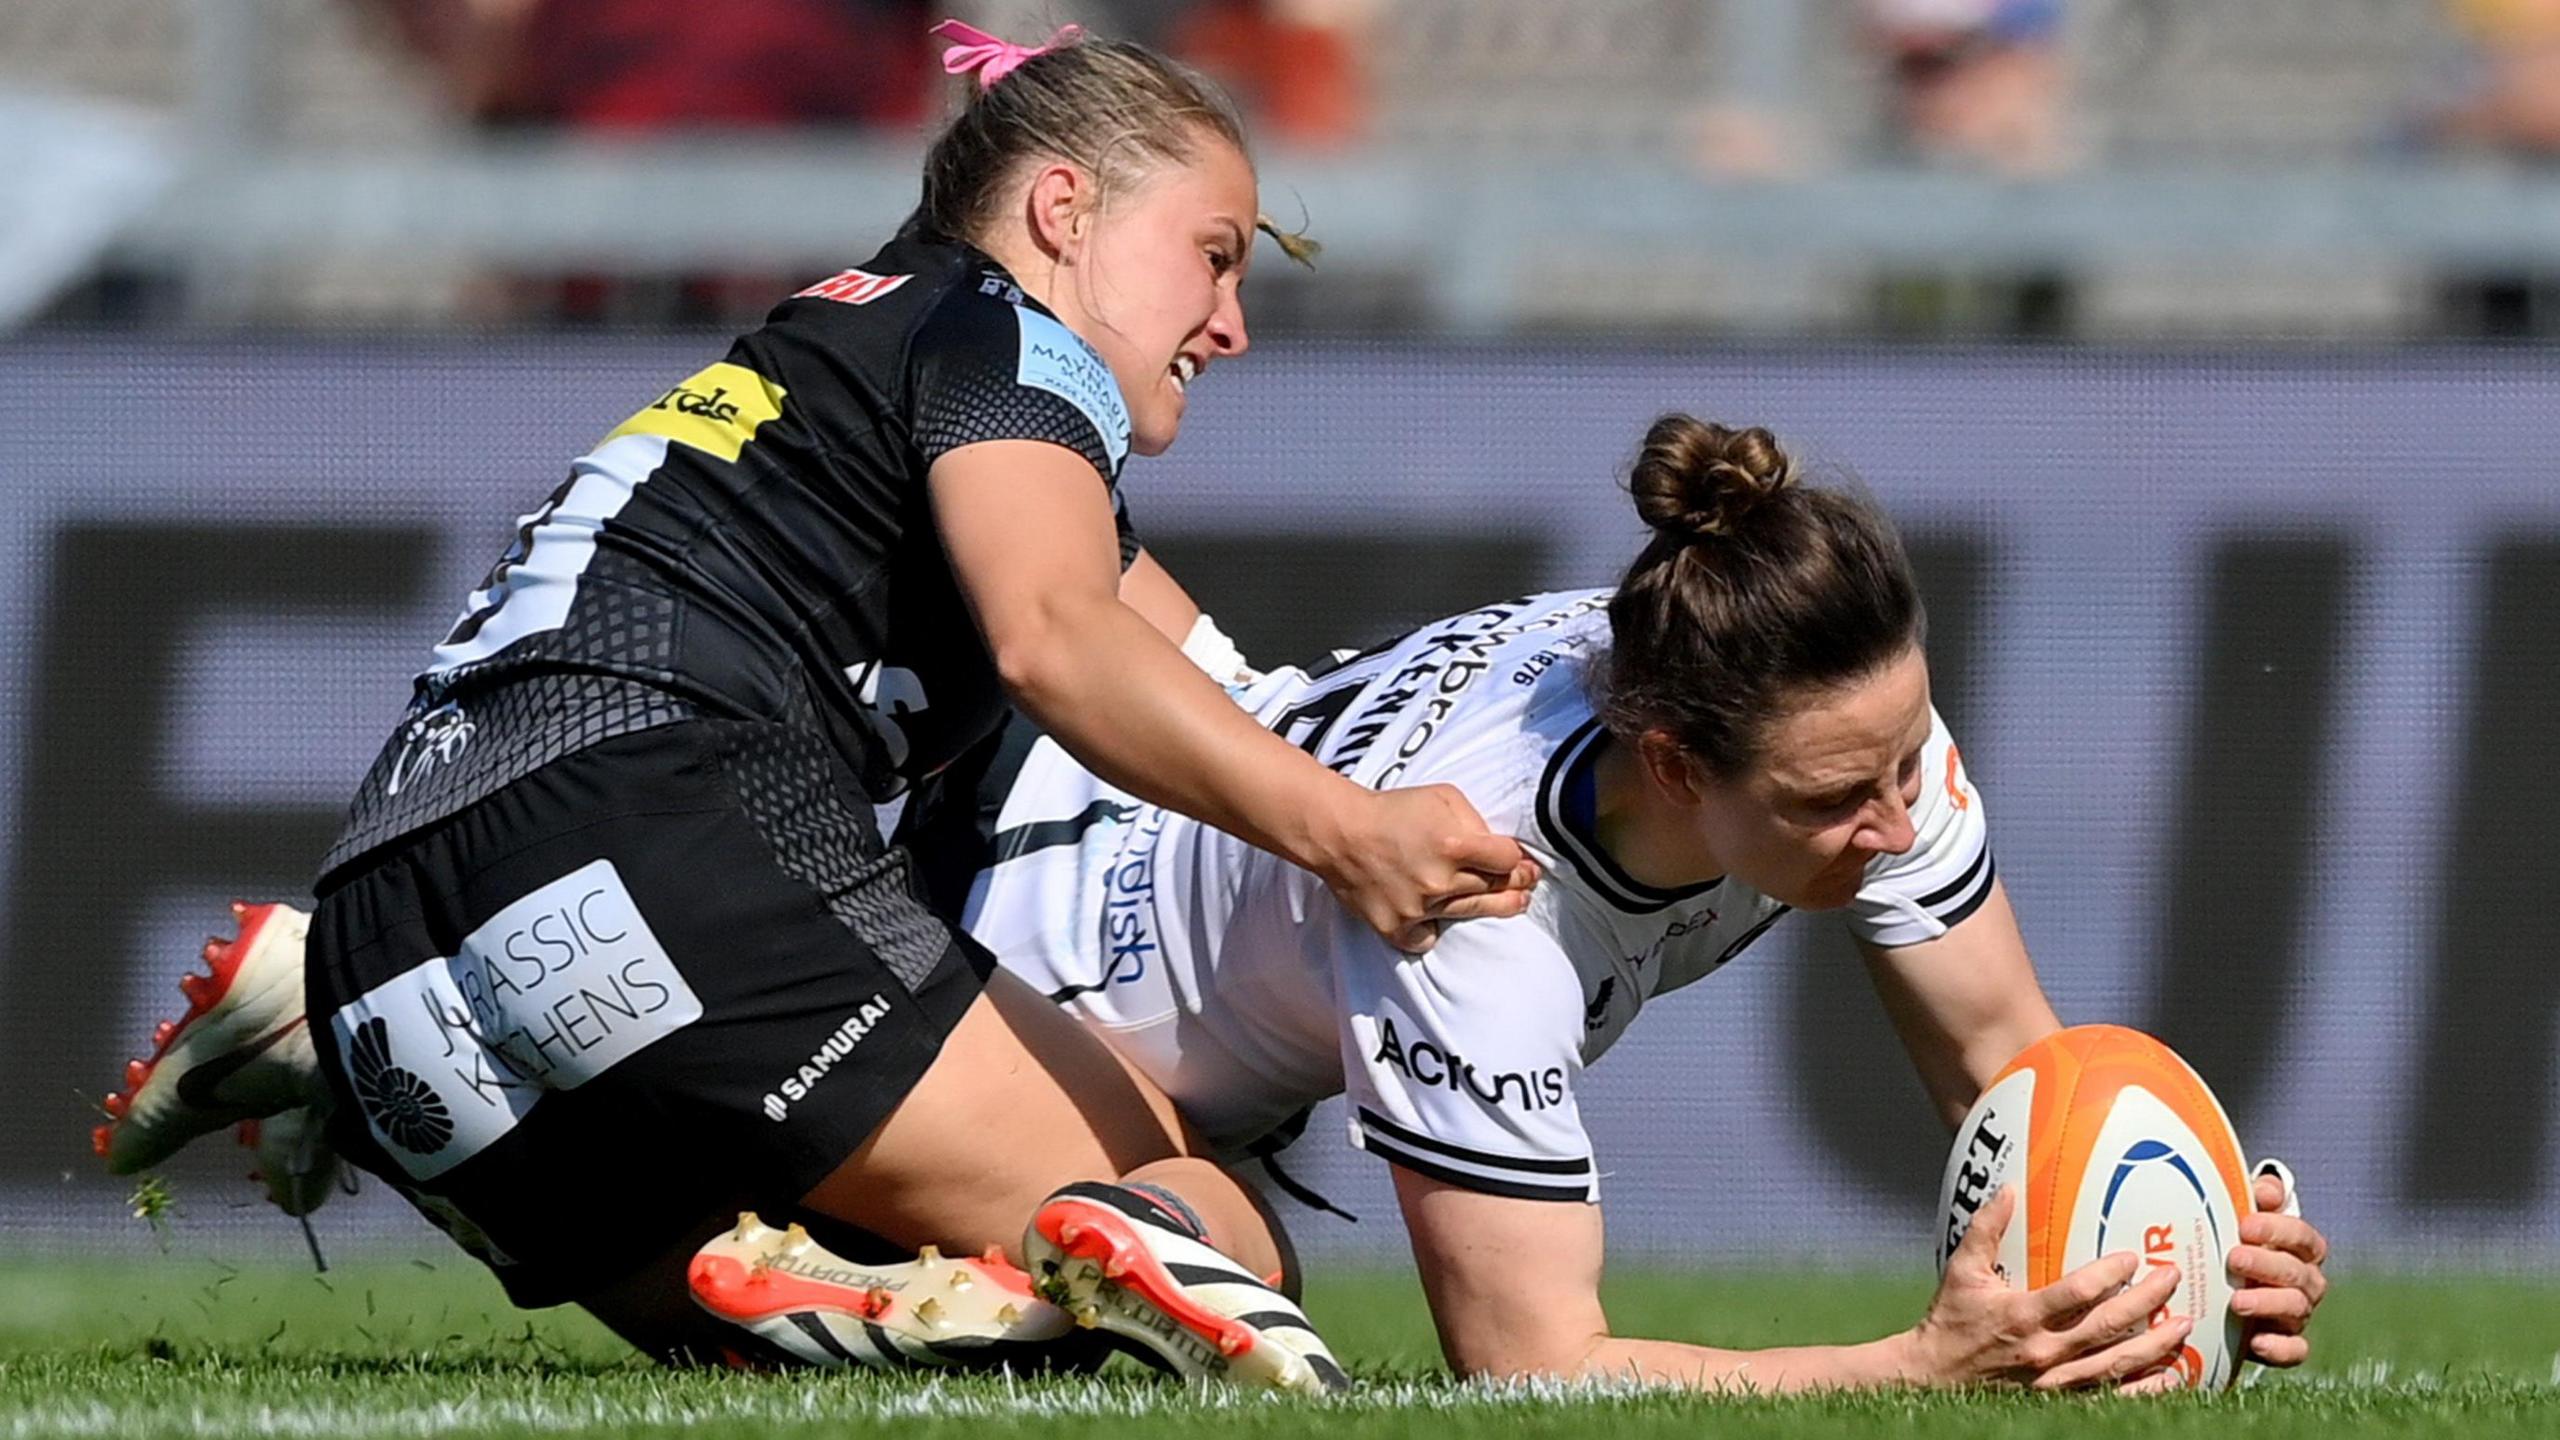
[2114, 1144]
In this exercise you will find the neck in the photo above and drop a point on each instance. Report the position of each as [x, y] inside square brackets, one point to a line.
[1031, 267]
[1649, 836]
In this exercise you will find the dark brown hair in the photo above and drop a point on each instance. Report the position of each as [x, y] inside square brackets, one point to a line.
[1110, 106]
[1754, 589]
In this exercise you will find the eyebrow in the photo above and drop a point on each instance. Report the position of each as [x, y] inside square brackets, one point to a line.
[1824, 789]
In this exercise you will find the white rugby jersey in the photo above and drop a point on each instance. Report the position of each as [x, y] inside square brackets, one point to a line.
[1236, 982]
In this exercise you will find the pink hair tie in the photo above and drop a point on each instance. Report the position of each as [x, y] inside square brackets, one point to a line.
[993, 59]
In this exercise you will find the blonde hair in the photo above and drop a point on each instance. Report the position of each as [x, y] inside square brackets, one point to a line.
[1115, 108]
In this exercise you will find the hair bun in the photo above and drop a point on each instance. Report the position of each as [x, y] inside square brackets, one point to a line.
[1694, 479]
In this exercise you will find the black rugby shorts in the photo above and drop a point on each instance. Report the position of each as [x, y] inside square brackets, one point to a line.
[656, 980]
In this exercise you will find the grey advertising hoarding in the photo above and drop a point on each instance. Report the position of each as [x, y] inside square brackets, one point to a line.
[2256, 660]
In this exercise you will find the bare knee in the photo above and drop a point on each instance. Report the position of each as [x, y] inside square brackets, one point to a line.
[1240, 1222]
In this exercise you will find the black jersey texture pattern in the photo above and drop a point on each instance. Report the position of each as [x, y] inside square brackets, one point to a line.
[756, 543]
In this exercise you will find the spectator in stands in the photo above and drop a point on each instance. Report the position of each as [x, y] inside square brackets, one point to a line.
[1295, 64]
[658, 65]
[635, 67]
[1983, 84]
[2504, 98]
[2509, 98]
[1979, 82]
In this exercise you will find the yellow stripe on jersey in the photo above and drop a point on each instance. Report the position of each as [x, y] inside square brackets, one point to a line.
[716, 411]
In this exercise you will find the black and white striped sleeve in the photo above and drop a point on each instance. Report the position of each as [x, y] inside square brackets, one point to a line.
[1463, 1064]
[1947, 874]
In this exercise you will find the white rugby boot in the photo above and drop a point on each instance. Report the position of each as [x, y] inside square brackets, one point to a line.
[1130, 1259]
[797, 1296]
[241, 1052]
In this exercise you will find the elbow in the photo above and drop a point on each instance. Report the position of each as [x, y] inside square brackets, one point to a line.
[1035, 657]
[1023, 670]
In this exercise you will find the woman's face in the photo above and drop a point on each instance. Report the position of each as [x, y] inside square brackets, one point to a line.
[1833, 790]
[1157, 279]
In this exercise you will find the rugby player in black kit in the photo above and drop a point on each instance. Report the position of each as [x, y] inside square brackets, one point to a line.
[610, 947]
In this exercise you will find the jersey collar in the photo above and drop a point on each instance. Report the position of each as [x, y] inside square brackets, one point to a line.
[1567, 800]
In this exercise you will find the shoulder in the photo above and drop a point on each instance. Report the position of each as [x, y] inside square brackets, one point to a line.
[1949, 869]
[989, 362]
[884, 300]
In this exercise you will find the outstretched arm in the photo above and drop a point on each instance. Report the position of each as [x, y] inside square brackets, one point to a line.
[1514, 1287]
[1033, 544]
[1963, 1003]
[1967, 1001]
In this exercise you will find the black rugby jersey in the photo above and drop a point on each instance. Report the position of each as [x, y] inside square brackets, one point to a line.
[757, 543]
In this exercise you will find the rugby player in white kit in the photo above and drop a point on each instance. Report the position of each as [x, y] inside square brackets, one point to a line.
[1236, 983]
[1246, 992]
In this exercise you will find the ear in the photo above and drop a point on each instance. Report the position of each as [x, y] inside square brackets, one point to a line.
[1671, 768]
[1059, 206]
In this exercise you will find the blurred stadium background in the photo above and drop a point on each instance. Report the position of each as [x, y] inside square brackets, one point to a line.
[2202, 348]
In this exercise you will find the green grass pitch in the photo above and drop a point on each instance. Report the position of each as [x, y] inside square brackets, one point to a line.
[184, 1346]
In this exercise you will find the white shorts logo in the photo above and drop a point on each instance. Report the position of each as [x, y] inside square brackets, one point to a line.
[431, 742]
[553, 991]
[795, 1087]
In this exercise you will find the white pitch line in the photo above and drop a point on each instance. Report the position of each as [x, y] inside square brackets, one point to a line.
[1086, 1400]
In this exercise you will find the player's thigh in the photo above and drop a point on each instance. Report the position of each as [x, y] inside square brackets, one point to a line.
[1022, 1100]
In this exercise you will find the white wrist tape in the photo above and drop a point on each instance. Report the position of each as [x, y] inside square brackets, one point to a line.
[1208, 647]
[2292, 1207]
[2292, 1187]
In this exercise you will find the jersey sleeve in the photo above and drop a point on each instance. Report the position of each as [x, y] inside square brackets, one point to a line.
[985, 368]
[1463, 1064]
[1947, 873]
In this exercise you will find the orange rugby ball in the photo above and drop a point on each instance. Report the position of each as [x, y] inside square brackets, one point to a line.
[2114, 1144]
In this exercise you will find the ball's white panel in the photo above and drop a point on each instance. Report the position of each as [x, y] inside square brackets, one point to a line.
[1990, 1151]
[2151, 1188]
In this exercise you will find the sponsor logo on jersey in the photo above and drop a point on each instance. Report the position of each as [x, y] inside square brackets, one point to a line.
[1545, 660]
[838, 1047]
[853, 287]
[717, 411]
[1425, 1063]
[1955, 782]
[992, 283]
[552, 991]
[889, 694]
[1596, 1014]
[430, 742]
[1446, 668]
[1677, 929]
[1128, 905]
[1054, 358]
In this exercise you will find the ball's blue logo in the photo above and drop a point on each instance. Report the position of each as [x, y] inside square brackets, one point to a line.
[2146, 1153]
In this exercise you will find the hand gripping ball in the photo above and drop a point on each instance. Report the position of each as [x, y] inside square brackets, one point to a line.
[2114, 1144]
